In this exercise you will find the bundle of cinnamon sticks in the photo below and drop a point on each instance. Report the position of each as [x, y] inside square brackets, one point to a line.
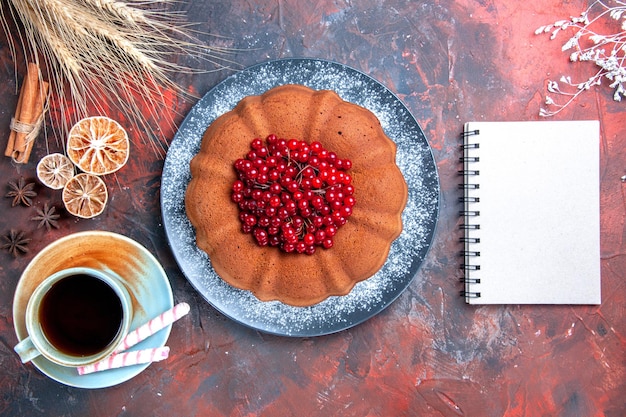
[29, 115]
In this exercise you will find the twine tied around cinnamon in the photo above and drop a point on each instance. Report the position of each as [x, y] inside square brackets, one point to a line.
[29, 116]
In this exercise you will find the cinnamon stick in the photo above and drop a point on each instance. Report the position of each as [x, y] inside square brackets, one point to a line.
[40, 103]
[28, 116]
[11, 143]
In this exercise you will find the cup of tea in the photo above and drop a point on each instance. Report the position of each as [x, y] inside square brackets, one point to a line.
[76, 317]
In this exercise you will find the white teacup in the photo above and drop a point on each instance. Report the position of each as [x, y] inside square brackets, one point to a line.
[76, 317]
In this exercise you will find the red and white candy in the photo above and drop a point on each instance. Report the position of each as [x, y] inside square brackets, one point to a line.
[119, 358]
[153, 326]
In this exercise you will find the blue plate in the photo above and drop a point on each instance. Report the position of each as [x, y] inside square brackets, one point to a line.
[143, 275]
[369, 297]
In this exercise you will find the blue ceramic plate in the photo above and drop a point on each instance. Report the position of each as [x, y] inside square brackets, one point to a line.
[143, 275]
[369, 297]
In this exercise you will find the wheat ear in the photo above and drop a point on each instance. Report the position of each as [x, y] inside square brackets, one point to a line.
[107, 53]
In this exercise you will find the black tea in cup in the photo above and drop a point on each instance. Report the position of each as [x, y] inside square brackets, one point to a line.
[81, 315]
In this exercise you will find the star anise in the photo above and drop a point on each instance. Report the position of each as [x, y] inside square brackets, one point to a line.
[21, 192]
[16, 243]
[47, 217]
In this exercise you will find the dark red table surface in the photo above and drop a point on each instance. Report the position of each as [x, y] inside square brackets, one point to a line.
[428, 353]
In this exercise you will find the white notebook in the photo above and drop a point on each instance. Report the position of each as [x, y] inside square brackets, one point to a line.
[531, 212]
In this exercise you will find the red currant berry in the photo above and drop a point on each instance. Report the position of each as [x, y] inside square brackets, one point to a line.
[273, 230]
[262, 152]
[317, 221]
[284, 197]
[316, 147]
[298, 222]
[257, 194]
[291, 207]
[300, 247]
[298, 195]
[264, 221]
[275, 221]
[261, 236]
[275, 201]
[291, 194]
[316, 183]
[305, 212]
[308, 239]
[273, 176]
[291, 238]
[262, 178]
[292, 144]
[252, 173]
[314, 161]
[282, 213]
[238, 186]
[271, 161]
[256, 143]
[293, 187]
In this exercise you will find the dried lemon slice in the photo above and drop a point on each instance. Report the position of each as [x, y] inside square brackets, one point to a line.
[55, 170]
[85, 195]
[98, 145]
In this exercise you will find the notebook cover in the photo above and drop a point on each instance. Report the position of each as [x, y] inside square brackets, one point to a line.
[538, 213]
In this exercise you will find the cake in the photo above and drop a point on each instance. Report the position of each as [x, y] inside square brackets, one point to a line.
[360, 246]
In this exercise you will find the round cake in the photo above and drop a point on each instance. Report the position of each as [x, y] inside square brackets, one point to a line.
[360, 246]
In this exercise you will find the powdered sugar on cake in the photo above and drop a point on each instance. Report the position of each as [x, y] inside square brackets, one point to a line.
[414, 158]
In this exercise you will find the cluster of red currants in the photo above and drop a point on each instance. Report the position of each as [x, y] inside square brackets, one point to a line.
[292, 194]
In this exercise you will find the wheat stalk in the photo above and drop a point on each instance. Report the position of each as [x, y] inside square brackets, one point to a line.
[120, 10]
[105, 53]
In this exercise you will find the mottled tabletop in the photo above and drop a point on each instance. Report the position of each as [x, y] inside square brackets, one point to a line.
[428, 352]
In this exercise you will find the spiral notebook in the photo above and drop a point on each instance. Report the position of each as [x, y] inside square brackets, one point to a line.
[531, 212]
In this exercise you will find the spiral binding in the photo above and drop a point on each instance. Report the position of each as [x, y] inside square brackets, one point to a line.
[470, 145]
[469, 239]
[469, 184]
[469, 294]
[465, 199]
[467, 133]
[469, 172]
